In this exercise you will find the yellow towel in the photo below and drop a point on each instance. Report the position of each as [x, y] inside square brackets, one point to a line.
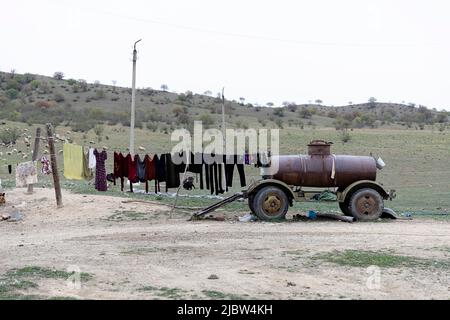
[73, 161]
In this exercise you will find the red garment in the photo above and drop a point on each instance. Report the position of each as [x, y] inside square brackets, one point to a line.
[150, 171]
[132, 169]
[118, 165]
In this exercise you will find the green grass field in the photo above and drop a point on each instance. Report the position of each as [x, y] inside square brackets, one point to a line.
[417, 161]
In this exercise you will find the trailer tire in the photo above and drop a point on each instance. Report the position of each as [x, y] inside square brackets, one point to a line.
[271, 203]
[366, 205]
[345, 208]
[251, 203]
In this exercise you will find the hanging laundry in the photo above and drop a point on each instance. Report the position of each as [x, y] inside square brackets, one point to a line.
[132, 169]
[92, 160]
[173, 175]
[45, 162]
[73, 161]
[100, 170]
[26, 173]
[9, 168]
[231, 161]
[120, 169]
[87, 172]
[160, 166]
[150, 172]
[141, 168]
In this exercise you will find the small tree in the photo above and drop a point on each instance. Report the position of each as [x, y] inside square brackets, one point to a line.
[114, 82]
[164, 87]
[83, 85]
[318, 101]
[58, 75]
[242, 100]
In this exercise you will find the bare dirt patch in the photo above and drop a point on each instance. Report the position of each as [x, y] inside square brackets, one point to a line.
[134, 251]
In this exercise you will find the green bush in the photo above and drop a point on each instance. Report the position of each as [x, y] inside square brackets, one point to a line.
[12, 94]
[9, 135]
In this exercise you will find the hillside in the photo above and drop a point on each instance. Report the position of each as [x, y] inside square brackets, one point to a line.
[35, 99]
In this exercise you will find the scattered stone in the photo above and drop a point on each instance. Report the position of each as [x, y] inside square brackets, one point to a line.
[213, 277]
[291, 284]
[45, 151]
[141, 148]
[5, 216]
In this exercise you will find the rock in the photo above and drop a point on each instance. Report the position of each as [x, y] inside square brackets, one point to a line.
[15, 216]
[91, 142]
[45, 151]
[213, 277]
[24, 156]
[141, 148]
[26, 140]
[5, 216]
[291, 284]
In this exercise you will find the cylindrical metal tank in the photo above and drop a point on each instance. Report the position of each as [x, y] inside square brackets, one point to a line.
[320, 168]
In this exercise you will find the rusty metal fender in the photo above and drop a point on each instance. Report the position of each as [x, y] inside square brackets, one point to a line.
[342, 195]
[257, 185]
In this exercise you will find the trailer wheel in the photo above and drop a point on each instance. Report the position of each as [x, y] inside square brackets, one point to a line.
[344, 206]
[251, 203]
[366, 205]
[270, 203]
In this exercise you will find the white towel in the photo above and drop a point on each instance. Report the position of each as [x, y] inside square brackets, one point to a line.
[92, 160]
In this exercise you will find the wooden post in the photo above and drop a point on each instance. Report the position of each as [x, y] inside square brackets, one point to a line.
[35, 154]
[51, 145]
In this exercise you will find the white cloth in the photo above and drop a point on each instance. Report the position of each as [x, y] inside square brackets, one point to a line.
[92, 160]
[26, 173]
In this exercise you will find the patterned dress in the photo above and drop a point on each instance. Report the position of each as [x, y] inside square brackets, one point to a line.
[100, 170]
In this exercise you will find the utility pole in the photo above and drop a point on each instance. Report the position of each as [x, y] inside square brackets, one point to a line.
[223, 119]
[133, 100]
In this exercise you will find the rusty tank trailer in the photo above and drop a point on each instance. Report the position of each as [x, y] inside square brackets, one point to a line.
[350, 179]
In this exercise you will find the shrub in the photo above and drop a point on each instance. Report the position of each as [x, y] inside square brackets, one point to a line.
[99, 94]
[279, 112]
[206, 119]
[58, 97]
[12, 94]
[345, 135]
[9, 135]
[305, 113]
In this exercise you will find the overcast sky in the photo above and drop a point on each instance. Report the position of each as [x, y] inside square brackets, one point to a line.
[265, 51]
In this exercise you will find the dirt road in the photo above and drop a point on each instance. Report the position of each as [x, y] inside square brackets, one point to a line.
[134, 251]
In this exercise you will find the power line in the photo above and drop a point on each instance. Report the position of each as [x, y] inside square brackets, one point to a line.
[248, 36]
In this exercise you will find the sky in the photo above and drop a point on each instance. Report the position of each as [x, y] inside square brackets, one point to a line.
[263, 51]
